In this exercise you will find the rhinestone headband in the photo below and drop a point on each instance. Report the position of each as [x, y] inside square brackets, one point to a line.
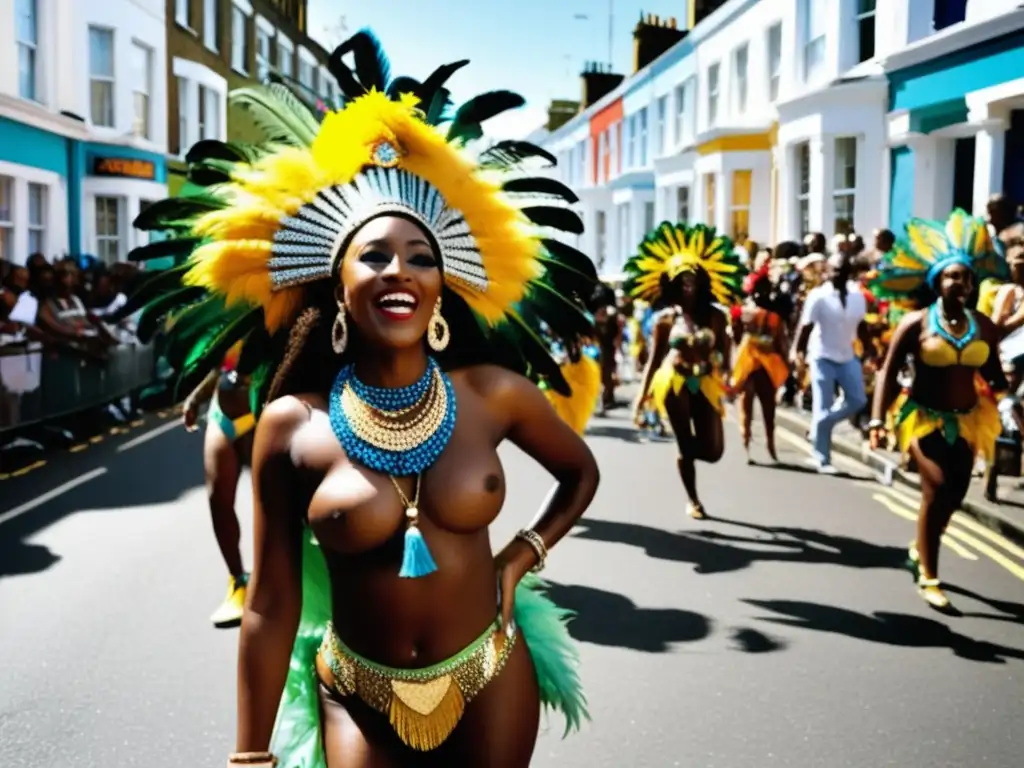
[309, 245]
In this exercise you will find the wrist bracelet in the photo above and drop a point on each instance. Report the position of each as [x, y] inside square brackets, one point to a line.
[876, 424]
[255, 759]
[533, 538]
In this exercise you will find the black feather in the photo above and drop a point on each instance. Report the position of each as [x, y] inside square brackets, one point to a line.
[347, 82]
[206, 175]
[571, 258]
[210, 149]
[540, 185]
[437, 79]
[509, 153]
[556, 218]
[475, 112]
[439, 111]
[151, 287]
[181, 246]
[373, 69]
[174, 209]
[401, 85]
[538, 356]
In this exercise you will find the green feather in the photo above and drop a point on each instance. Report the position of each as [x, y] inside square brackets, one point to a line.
[157, 310]
[555, 658]
[282, 117]
[178, 247]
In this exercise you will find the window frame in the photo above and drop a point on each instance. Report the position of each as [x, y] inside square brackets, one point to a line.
[109, 80]
[683, 203]
[183, 14]
[774, 60]
[802, 152]
[32, 49]
[105, 239]
[7, 225]
[813, 47]
[869, 16]
[742, 84]
[211, 31]
[37, 228]
[739, 206]
[239, 43]
[714, 92]
[147, 117]
[846, 192]
[710, 190]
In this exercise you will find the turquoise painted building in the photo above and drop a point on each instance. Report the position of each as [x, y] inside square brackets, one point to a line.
[956, 122]
[67, 193]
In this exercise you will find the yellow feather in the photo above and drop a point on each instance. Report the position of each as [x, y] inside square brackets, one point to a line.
[584, 378]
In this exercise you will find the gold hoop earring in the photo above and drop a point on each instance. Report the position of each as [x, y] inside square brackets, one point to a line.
[339, 331]
[438, 333]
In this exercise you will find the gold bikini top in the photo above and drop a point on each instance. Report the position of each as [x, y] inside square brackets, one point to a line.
[941, 349]
[681, 337]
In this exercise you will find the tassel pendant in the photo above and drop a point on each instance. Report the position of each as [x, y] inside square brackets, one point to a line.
[416, 559]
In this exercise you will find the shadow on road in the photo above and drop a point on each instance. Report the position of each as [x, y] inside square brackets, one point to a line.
[900, 629]
[1012, 612]
[608, 618]
[627, 434]
[806, 470]
[714, 552]
[156, 472]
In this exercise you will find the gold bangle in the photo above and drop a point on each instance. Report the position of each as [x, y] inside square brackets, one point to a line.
[256, 759]
[533, 538]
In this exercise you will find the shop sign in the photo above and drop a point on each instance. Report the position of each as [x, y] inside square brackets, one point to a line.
[123, 166]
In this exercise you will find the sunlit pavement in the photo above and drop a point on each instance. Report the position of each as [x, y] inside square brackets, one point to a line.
[784, 631]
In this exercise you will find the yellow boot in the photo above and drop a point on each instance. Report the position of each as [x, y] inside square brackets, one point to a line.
[229, 613]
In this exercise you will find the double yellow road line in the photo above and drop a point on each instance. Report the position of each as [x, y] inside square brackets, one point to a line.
[964, 536]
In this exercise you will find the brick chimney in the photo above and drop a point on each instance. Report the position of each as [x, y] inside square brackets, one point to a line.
[561, 111]
[698, 10]
[652, 37]
[598, 81]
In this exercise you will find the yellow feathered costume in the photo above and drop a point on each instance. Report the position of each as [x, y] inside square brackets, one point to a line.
[584, 378]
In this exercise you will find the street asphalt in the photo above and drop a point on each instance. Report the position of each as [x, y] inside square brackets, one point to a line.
[784, 631]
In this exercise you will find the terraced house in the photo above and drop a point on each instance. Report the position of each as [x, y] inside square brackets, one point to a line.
[215, 46]
[774, 118]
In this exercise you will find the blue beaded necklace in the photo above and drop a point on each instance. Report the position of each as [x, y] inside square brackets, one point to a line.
[417, 560]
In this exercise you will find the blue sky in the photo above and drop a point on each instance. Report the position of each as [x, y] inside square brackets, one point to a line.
[537, 49]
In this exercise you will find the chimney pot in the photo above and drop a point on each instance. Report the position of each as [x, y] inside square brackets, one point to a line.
[657, 20]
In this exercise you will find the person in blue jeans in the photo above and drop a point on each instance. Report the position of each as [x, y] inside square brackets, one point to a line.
[833, 317]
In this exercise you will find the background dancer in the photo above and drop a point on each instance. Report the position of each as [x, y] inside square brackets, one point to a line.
[759, 369]
[227, 448]
[684, 270]
[950, 415]
[376, 276]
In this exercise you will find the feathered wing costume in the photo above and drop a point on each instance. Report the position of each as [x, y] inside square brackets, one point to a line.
[258, 225]
[911, 270]
[666, 253]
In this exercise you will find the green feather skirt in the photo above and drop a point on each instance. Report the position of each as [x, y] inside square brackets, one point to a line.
[297, 732]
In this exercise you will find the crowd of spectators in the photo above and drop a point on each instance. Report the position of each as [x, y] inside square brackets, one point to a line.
[64, 310]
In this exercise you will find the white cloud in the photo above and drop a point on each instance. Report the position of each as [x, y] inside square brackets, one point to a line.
[516, 123]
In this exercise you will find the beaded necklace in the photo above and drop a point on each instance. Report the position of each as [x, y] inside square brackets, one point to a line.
[399, 432]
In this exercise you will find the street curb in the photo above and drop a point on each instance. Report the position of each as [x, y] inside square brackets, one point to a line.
[989, 516]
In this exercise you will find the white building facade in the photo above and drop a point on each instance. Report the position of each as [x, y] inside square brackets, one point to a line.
[82, 124]
[772, 119]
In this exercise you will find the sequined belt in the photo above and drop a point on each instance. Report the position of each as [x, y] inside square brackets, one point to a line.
[762, 343]
[422, 705]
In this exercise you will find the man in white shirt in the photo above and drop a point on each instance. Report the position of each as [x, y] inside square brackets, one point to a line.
[833, 317]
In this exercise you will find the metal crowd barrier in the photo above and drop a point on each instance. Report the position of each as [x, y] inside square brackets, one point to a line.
[41, 385]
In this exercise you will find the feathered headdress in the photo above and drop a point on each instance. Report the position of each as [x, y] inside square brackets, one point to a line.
[928, 247]
[671, 249]
[262, 224]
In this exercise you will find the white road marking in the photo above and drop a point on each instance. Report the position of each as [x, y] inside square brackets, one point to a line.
[51, 494]
[147, 436]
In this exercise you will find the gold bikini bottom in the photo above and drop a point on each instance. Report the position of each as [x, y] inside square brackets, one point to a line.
[422, 705]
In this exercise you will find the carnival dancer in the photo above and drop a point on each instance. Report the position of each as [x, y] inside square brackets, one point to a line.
[377, 271]
[949, 415]
[227, 448]
[683, 270]
[759, 368]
